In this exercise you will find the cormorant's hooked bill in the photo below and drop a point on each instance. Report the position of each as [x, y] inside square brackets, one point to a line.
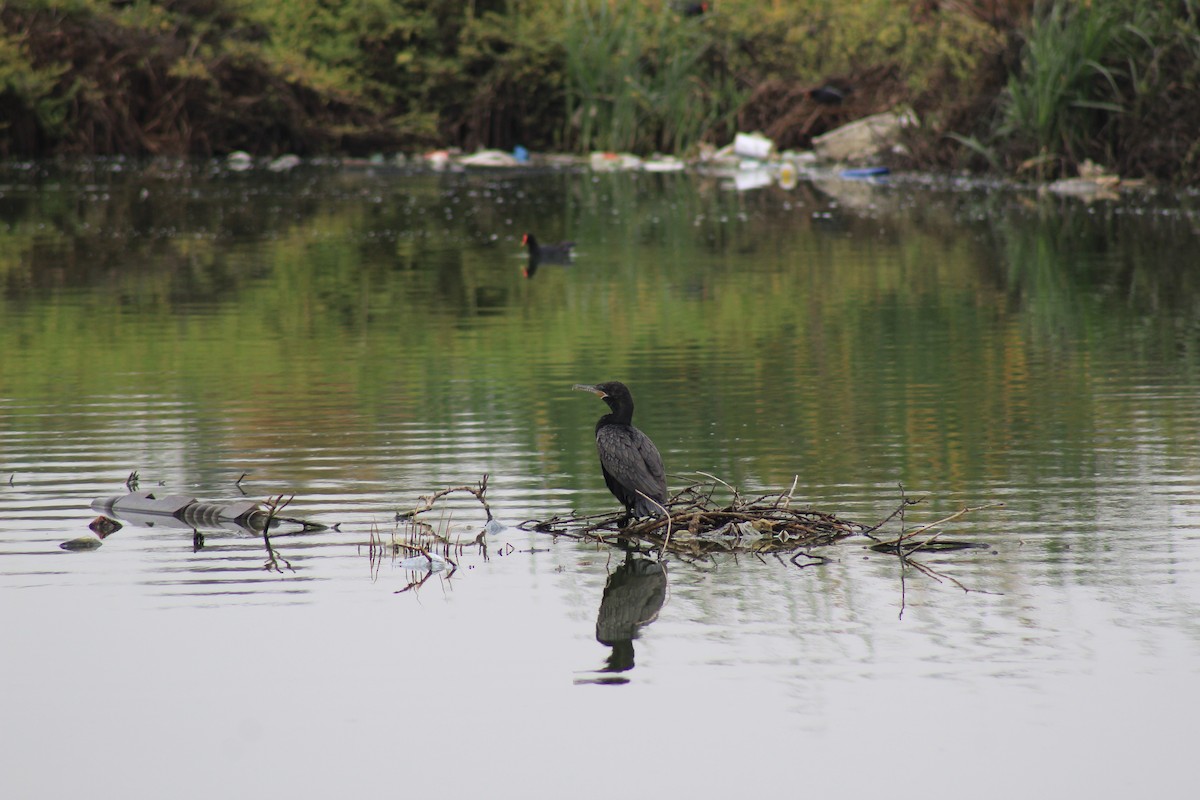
[633, 469]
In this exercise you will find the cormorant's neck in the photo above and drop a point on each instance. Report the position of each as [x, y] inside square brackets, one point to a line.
[622, 415]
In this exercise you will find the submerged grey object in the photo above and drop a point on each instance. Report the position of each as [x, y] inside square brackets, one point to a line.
[81, 543]
[180, 511]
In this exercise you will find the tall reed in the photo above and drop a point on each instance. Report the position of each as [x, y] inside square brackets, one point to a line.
[1092, 74]
[643, 79]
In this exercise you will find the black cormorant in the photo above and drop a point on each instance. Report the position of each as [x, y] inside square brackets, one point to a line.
[632, 467]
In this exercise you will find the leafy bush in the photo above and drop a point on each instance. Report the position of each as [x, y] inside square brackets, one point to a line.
[1114, 81]
[29, 104]
[1094, 81]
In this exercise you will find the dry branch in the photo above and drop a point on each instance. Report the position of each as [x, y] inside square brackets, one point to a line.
[273, 505]
[427, 503]
[694, 526]
[421, 551]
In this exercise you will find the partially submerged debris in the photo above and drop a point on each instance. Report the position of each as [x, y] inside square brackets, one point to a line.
[180, 511]
[753, 145]
[697, 527]
[417, 548]
[104, 526]
[613, 162]
[491, 158]
[81, 543]
[864, 139]
[1093, 183]
[149, 508]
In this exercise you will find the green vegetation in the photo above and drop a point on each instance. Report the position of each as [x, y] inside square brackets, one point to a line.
[1113, 81]
[640, 78]
[31, 88]
[1015, 84]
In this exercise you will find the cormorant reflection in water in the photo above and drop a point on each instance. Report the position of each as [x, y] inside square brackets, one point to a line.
[633, 596]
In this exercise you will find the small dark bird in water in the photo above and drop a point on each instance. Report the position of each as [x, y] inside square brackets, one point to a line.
[632, 466]
[545, 254]
[548, 253]
[692, 9]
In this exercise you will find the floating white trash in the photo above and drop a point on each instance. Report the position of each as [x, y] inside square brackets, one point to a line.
[753, 145]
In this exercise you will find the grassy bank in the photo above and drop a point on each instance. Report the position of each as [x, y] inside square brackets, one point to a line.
[1113, 81]
[1014, 85]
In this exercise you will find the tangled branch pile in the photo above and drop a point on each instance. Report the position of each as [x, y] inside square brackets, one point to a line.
[695, 526]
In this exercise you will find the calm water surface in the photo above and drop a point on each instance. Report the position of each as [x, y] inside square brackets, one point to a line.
[360, 338]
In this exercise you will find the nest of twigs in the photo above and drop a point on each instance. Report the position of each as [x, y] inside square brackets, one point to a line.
[694, 525]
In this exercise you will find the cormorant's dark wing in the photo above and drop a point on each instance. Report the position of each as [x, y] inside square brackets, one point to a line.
[632, 460]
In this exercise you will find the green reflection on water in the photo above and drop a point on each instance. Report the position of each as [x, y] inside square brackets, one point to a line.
[855, 336]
